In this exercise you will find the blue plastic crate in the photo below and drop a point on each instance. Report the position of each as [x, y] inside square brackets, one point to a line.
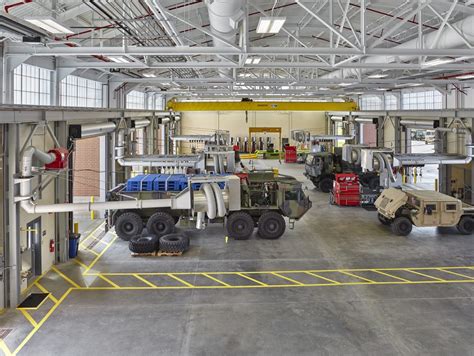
[147, 182]
[134, 184]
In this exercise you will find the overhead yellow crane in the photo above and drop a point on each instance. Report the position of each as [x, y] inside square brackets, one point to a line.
[180, 106]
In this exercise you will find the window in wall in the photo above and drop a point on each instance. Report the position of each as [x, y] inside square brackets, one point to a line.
[422, 100]
[391, 102]
[373, 102]
[31, 85]
[135, 100]
[76, 91]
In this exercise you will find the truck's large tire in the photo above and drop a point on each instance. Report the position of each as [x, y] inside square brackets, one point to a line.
[271, 225]
[128, 225]
[160, 223]
[143, 244]
[325, 185]
[240, 225]
[402, 226]
[383, 220]
[174, 243]
[466, 225]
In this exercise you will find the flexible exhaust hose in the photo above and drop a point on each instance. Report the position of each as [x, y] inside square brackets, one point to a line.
[221, 211]
[211, 201]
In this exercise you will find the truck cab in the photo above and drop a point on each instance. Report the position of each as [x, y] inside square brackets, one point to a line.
[321, 168]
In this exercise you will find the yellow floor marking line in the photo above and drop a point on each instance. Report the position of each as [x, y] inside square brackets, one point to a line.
[180, 280]
[99, 256]
[424, 275]
[74, 284]
[79, 262]
[216, 280]
[455, 273]
[41, 322]
[318, 276]
[87, 249]
[109, 281]
[28, 317]
[288, 279]
[356, 276]
[44, 290]
[392, 276]
[4, 348]
[251, 279]
[82, 243]
[145, 281]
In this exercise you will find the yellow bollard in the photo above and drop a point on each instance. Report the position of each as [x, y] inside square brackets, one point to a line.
[76, 228]
[414, 175]
[436, 185]
[92, 211]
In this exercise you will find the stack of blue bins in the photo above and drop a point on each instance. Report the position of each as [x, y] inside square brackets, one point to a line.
[162, 183]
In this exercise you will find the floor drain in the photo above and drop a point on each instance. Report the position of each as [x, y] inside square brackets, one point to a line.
[4, 332]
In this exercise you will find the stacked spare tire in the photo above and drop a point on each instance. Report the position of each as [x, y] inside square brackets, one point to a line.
[161, 236]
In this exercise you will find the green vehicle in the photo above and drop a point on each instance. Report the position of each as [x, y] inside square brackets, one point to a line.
[257, 199]
[321, 169]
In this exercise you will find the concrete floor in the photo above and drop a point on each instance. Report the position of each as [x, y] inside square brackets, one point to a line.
[399, 319]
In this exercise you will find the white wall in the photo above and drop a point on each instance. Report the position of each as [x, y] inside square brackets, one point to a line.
[206, 122]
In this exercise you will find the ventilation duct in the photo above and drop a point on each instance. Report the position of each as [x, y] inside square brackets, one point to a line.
[224, 18]
[448, 39]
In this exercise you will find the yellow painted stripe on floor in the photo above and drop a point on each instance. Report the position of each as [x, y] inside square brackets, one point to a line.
[252, 279]
[79, 262]
[392, 276]
[145, 281]
[4, 348]
[319, 276]
[180, 280]
[74, 284]
[44, 290]
[91, 234]
[216, 280]
[109, 281]
[45, 318]
[288, 279]
[455, 273]
[425, 275]
[87, 249]
[100, 255]
[356, 276]
[28, 317]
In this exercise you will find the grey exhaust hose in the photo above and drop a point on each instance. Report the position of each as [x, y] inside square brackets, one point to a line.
[221, 211]
[211, 201]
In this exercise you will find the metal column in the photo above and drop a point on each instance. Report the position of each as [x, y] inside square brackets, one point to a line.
[381, 131]
[13, 260]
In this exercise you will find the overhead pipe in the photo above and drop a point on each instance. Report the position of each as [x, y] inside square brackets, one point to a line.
[92, 130]
[448, 39]
[7, 7]
[27, 160]
[140, 123]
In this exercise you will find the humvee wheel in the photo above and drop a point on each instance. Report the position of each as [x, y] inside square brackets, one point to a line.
[271, 226]
[240, 225]
[466, 225]
[128, 225]
[401, 226]
[383, 220]
[325, 185]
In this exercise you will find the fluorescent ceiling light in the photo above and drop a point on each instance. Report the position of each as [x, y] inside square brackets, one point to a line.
[437, 62]
[345, 84]
[378, 76]
[149, 75]
[270, 24]
[466, 76]
[119, 59]
[50, 25]
[255, 60]
[382, 89]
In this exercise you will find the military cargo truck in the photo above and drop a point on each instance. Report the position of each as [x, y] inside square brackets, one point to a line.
[401, 209]
[258, 199]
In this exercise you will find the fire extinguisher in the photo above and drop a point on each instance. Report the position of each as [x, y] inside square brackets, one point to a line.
[51, 245]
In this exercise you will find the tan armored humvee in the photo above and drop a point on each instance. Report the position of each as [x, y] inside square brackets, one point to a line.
[402, 209]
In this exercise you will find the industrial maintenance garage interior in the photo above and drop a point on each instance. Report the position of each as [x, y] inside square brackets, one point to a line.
[232, 177]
